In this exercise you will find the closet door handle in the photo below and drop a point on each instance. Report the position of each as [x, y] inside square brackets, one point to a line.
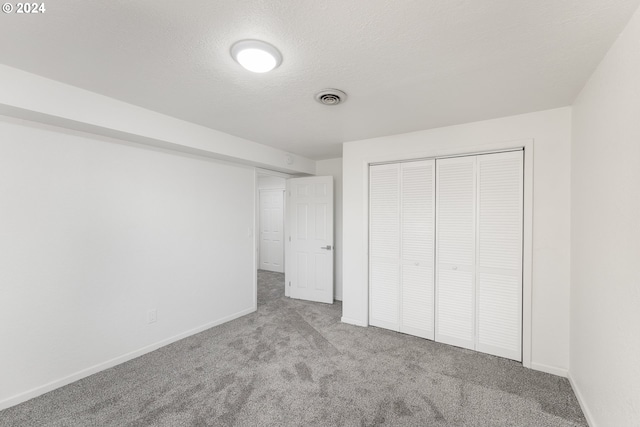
[328, 247]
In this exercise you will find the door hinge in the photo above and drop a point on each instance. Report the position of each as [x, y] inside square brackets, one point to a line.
[289, 283]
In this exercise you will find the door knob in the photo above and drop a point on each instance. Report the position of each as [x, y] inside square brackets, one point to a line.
[328, 247]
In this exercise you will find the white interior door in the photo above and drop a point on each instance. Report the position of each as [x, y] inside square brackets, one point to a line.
[456, 251]
[384, 246]
[310, 234]
[417, 248]
[272, 230]
[499, 266]
[401, 254]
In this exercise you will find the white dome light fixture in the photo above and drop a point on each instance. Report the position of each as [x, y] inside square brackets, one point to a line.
[256, 55]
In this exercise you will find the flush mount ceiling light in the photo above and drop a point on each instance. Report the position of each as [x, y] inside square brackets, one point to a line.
[256, 55]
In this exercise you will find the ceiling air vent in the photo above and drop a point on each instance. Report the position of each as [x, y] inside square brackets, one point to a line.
[331, 97]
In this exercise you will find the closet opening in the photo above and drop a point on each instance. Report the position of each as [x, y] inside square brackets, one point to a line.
[450, 249]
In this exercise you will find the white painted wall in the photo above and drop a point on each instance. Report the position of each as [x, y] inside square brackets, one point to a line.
[551, 132]
[267, 182]
[605, 237]
[333, 167]
[96, 232]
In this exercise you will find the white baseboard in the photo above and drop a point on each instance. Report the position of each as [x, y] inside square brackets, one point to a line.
[549, 369]
[353, 322]
[37, 391]
[581, 401]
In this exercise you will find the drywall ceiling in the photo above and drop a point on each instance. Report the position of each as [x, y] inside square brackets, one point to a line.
[406, 65]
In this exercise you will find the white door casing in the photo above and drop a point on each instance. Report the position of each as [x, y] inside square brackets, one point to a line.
[310, 238]
[271, 224]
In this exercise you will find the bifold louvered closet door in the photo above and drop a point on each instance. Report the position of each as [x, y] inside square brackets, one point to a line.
[401, 234]
[499, 255]
[479, 253]
[445, 256]
[456, 251]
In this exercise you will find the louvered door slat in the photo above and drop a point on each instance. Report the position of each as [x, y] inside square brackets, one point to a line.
[384, 246]
[499, 270]
[455, 251]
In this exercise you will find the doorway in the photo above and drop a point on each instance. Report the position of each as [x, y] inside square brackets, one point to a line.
[271, 230]
[270, 220]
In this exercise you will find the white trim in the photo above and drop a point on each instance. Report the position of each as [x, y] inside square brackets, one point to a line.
[527, 255]
[365, 247]
[479, 153]
[581, 400]
[472, 150]
[527, 264]
[34, 392]
[353, 322]
[549, 369]
[256, 236]
[287, 240]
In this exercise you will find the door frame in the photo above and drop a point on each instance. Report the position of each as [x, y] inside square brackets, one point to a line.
[527, 233]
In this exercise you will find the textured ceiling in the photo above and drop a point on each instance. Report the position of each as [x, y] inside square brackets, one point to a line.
[406, 65]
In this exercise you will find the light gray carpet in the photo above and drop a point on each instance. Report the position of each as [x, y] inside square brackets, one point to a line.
[294, 363]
